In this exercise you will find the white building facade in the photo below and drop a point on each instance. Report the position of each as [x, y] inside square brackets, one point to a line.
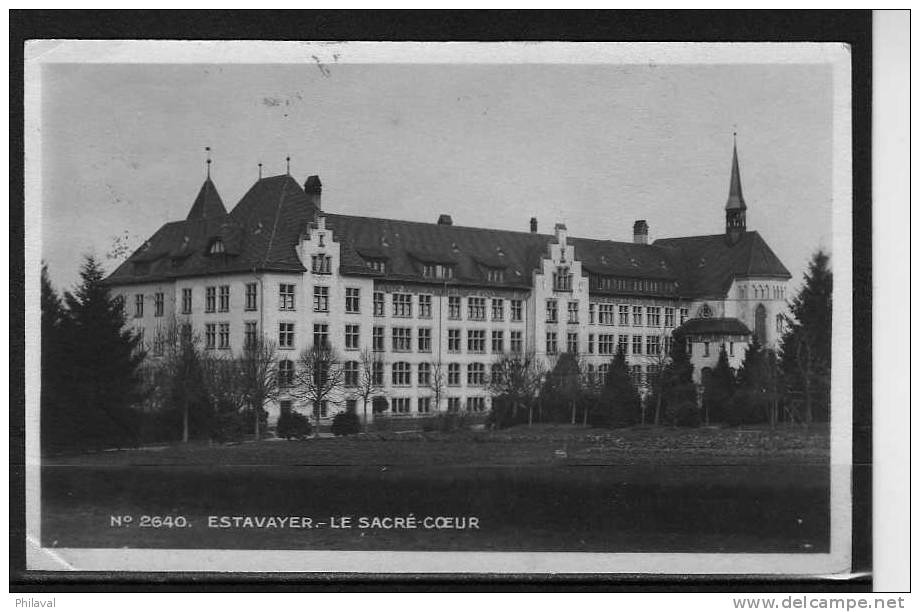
[437, 299]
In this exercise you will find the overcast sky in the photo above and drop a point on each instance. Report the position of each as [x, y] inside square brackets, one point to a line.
[595, 146]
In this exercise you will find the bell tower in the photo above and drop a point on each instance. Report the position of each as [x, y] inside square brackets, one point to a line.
[735, 208]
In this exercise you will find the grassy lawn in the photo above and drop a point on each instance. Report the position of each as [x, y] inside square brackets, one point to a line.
[552, 488]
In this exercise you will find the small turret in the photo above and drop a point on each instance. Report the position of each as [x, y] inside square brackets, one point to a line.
[735, 208]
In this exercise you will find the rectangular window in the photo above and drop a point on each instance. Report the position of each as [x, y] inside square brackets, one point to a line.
[605, 344]
[453, 374]
[498, 309]
[321, 335]
[321, 264]
[517, 342]
[495, 275]
[424, 306]
[378, 304]
[731, 349]
[224, 304]
[286, 335]
[590, 344]
[623, 343]
[591, 313]
[689, 347]
[320, 299]
[653, 316]
[224, 336]
[476, 374]
[552, 344]
[158, 301]
[402, 373]
[605, 314]
[424, 339]
[705, 349]
[252, 296]
[424, 405]
[552, 311]
[378, 339]
[637, 345]
[635, 373]
[210, 299]
[477, 308]
[453, 404]
[351, 374]
[210, 335]
[352, 337]
[401, 405]
[187, 301]
[250, 334]
[475, 404]
[623, 314]
[517, 310]
[453, 340]
[285, 296]
[637, 315]
[571, 343]
[352, 300]
[377, 373]
[498, 341]
[476, 340]
[402, 339]
[424, 374]
[684, 313]
[402, 305]
[652, 345]
[573, 312]
[562, 280]
[669, 317]
[453, 307]
[285, 378]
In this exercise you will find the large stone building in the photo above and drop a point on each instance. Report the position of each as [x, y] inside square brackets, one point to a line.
[430, 296]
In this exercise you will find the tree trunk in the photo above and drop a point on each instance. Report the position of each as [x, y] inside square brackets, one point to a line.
[530, 415]
[185, 421]
[585, 418]
[365, 415]
[573, 412]
[658, 410]
[257, 412]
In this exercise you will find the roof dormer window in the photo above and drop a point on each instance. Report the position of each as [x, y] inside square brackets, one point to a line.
[217, 247]
[442, 271]
[495, 275]
[377, 265]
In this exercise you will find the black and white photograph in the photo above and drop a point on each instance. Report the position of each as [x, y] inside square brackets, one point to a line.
[439, 307]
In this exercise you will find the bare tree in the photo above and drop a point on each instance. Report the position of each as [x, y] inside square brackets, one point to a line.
[181, 366]
[517, 378]
[369, 384]
[258, 372]
[319, 377]
[438, 383]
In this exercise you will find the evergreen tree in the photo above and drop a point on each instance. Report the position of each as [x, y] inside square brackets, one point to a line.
[676, 385]
[562, 389]
[806, 346]
[619, 404]
[101, 374]
[718, 390]
[55, 420]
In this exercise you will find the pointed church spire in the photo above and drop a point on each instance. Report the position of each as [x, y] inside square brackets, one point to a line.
[735, 197]
[208, 203]
[735, 208]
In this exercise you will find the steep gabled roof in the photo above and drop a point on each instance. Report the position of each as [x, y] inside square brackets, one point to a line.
[208, 203]
[710, 263]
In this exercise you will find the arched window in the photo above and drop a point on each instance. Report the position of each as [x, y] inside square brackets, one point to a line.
[217, 247]
[760, 323]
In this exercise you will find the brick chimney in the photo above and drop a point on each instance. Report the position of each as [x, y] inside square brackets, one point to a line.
[314, 190]
[445, 220]
[533, 225]
[640, 232]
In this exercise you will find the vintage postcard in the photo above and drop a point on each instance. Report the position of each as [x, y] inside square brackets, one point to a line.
[439, 308]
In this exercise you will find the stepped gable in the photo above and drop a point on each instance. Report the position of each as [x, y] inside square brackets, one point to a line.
[711, 263]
